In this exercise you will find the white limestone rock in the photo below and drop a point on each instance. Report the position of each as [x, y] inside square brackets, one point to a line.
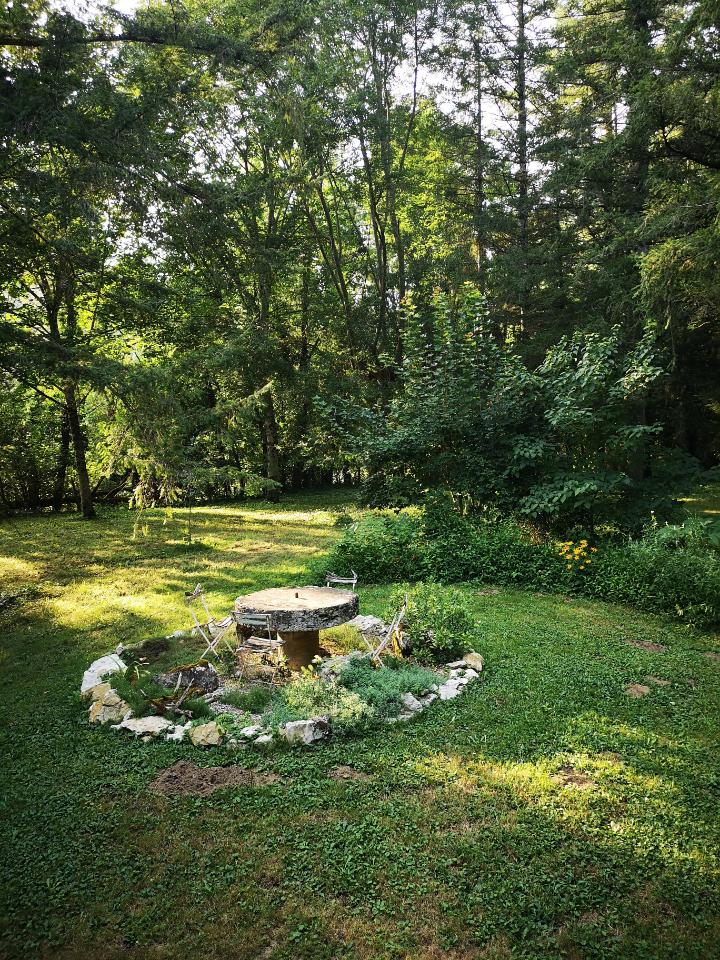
[98, 670]
[146, 726]
[264, 740]
[448, 691]
[177, 734]
[475, 661]
[250, 733]
[411, 704]
[306, 731]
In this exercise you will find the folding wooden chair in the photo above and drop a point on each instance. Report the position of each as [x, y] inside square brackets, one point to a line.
[260, 643]
[214, 632]
[391, 638]
[333, 580]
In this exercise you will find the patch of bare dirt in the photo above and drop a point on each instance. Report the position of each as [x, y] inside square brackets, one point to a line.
[610, 755]
[647, 645]
[636, 690]
[712, 655]
[658, 681]
[490, 592]
[347, 773]
[185, 777]
[567, 775]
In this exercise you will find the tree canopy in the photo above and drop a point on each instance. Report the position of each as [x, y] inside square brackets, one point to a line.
[466, 246]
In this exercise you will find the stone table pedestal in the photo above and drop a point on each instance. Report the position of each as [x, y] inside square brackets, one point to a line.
[297, 615]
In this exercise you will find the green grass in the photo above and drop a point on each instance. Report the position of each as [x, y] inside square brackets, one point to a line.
[465, 840]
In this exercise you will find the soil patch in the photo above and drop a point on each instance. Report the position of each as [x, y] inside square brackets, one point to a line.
[712, 655]
[647, 645]
[490, 592]
[567, 775]
[347, 773]
[658, 681]
[636, 690]
[185, 777]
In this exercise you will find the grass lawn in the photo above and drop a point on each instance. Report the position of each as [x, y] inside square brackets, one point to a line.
[545, 813]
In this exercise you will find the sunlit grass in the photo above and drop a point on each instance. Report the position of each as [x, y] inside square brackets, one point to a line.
[542, 814]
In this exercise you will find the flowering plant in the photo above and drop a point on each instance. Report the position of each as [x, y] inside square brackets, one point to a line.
[576, 554]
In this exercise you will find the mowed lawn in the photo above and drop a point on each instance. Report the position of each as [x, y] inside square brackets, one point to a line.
[545, 813]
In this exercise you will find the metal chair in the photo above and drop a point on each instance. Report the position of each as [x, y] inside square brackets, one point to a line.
[391, 638]
[262, 643]
[333, 580]
[212, 631]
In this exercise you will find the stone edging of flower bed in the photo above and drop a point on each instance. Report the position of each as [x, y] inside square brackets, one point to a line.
[108, 708]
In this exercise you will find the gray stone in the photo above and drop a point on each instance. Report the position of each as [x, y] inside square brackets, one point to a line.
[98, 670]
[449, 691]
[410, 704]
[471, 674]
[456, 665]
[200, 675]
[306, 731]
[369, 626]
[264, 740]
[250, 733]
[146, 726]
[428, 699]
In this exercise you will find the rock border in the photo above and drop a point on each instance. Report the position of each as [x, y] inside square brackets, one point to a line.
[108, 708]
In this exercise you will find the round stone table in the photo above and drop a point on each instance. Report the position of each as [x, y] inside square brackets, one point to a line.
[298, 614]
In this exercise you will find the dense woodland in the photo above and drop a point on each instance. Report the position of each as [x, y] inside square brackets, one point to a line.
[468, 245]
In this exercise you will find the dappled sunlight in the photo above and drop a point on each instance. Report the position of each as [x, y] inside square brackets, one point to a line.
[14, 570]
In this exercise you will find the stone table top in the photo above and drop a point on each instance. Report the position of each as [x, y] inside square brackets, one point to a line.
[297, 609]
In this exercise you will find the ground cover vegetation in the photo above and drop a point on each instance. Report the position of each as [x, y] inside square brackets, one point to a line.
[548, 812]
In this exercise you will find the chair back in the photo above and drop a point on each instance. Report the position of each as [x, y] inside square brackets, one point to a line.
[333, 580]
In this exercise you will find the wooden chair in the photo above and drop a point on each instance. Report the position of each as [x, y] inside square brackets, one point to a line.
[333, 580]
[391, 639]
[260, 643]
[214, 632]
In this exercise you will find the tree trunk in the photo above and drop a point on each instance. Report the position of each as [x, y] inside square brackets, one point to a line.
[58, 496]
[479, 172]
[79, 446]
[270, 445]
[522, 142]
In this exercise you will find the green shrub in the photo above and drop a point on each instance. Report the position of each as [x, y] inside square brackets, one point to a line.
[310, 696]
[198, 708]
[254, 699]
[379, 547]
[683, 582]
[231, 723]
[673, 570]
[383, 688]
[438, 623]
